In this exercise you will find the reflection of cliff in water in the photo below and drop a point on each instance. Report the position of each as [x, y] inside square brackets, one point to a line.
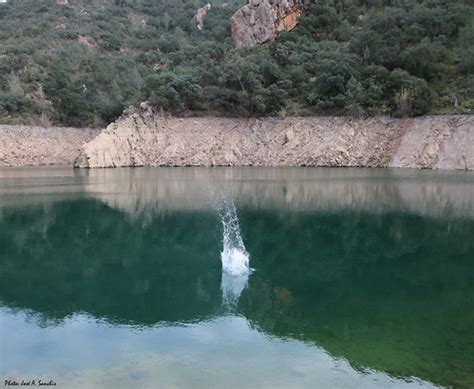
[295, 189]
[148, 191]
[391, 292]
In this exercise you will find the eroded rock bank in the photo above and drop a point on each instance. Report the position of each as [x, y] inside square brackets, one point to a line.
[144, 139]
[30, 145]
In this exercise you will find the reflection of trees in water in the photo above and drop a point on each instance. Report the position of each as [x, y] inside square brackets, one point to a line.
[94, 259]
[390, 292]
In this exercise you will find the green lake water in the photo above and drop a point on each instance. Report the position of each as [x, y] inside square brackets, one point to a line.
[362, 278]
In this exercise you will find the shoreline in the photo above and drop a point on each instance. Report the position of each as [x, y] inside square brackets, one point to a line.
[143, 138]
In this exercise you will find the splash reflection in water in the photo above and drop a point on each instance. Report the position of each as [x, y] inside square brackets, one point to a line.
[363, 278]
[234, 255]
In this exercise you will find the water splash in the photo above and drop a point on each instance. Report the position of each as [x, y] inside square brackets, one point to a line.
[232, 287]
[234, 256]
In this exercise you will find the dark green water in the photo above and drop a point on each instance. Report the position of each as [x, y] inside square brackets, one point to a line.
[363, 278]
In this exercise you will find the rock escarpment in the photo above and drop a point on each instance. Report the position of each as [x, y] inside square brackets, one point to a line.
[260, 20]
[145, 139]
[437, 142]
[28, 145]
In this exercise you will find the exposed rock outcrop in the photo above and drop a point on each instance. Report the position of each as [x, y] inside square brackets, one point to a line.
[28, 145]
[200, 14]
[143, 138]
[260, 20]
[203, 11]
[432, 144]
[146, 139]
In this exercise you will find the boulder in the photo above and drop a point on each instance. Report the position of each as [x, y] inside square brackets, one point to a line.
[260, 20]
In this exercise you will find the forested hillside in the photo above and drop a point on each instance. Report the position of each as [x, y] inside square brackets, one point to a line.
[81, 63]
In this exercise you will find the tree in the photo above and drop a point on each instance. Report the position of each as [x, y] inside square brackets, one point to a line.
[171, 92]
[466, 48]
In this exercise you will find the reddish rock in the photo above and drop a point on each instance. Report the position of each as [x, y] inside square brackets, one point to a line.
[260, 20]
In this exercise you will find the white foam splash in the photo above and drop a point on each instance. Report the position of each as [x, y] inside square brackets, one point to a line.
[232, 287]
[234, 256]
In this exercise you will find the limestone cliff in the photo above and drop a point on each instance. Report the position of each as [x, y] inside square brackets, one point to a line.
[29, 145]
[145, 139]
[437, 142]
[260, 20]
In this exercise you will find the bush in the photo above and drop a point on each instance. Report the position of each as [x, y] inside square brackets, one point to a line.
[174, 93]
[411, 95]
[404, 102]
[354, 57]
[466, 48]
[11, 103]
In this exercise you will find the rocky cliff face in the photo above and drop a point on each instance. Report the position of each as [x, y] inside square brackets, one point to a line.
[437, 142]
[260, 20]
[144, 139]
[29, 145]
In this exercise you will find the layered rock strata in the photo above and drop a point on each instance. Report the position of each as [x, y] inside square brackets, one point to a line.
[444, 142]
[30, 145]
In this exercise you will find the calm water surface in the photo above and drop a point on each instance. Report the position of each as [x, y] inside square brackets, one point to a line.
[113, 279]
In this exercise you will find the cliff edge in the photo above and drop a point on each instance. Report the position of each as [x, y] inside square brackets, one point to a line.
[144, 139]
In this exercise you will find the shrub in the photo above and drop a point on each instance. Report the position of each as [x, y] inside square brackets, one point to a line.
[11, 103]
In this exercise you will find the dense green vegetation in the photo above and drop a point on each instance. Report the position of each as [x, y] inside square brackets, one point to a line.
[83, 63]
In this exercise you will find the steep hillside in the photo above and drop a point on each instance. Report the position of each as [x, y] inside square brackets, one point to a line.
[81, 62]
